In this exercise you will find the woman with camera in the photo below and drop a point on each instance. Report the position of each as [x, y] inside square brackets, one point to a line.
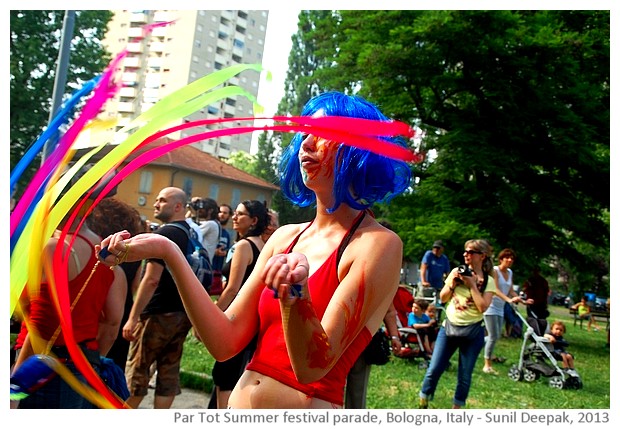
[466, 294]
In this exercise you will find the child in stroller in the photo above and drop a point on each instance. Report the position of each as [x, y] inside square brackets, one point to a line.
[412, 343]
[421, 322]
[537, 357]
[556, 337]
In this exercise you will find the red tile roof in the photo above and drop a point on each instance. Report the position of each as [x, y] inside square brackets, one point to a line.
[192, 159]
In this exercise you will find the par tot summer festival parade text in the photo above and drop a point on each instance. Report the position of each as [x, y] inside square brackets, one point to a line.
[381, 417]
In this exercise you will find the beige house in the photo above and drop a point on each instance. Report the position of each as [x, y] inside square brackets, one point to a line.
[197, 173]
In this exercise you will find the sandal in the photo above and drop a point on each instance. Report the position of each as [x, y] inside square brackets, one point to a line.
[490, 370]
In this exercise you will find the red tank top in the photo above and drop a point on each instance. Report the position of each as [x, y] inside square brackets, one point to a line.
[271, 357]
[87, 311]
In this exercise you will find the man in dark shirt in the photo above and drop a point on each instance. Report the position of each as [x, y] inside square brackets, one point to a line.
[158, 323]
[537, 291]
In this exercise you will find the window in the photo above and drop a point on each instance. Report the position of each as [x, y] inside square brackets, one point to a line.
[188, 185]
[214, 191]
[236, 197]
[146, 182]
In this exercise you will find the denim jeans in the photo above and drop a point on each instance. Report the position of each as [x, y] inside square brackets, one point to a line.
[445, 347]
[494, 326]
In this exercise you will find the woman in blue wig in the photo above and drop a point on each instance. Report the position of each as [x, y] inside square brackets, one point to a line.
[319, 289]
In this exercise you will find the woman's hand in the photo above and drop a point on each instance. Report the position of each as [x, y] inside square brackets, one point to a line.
[468, 281]
[121, 247]
[287, 275]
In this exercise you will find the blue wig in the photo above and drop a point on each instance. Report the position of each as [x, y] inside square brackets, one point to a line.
[361, 178]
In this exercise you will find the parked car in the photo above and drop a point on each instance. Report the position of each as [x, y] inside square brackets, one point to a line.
[569, 300]
[600, 304]
[557, 298]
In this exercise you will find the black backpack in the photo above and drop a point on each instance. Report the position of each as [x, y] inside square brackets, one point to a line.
[197, 257]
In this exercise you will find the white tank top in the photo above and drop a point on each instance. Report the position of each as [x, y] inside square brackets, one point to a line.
[497, 304]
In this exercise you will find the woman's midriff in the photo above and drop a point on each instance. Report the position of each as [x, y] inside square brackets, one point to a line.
[255, 390]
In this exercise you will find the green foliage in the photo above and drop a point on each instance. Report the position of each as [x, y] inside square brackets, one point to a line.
[243, 161]
[513, 104]
[267, 159]
[34, 50]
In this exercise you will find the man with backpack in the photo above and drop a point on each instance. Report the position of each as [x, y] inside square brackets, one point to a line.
[158, 323]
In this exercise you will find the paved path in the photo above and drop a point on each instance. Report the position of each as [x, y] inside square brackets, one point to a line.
[188, 399]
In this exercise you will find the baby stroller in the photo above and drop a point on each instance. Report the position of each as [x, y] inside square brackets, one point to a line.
[537, 358]
[412, 344]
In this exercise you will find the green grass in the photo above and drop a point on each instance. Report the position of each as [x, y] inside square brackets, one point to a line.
[397, 384]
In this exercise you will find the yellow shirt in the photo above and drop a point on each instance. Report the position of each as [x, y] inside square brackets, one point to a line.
[461, 309]
[582, 309]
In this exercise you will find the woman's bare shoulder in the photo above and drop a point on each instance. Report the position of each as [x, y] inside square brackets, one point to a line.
[284, 235]
[374, 231]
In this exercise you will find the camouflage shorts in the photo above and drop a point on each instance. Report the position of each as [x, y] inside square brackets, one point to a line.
[160, 340]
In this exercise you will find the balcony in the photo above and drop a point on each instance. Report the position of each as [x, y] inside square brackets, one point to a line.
[155, 62]
[157, 47]
[221, 59]
[162, 16]
[152, 93]
[160, 31]
[126, 107]
[135, 32]
[129, 77]
[132, 62]
[127, 92]
[135, 48]
[139, 18]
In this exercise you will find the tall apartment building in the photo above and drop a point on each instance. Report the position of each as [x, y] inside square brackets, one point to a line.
[198, 43]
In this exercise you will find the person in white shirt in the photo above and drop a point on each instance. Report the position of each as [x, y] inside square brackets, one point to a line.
[202, 218]
[209, 225]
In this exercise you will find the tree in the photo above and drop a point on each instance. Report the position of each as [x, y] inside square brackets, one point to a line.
[514, 103]
[243, 161]
[267, 159]
[34, 49]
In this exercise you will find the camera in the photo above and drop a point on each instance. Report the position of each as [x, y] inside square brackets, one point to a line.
[464, 270]
[196, 204]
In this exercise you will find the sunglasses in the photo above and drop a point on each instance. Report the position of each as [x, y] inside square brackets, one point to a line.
[473, 252]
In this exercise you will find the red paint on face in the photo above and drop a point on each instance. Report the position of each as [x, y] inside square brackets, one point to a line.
[325, 151]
